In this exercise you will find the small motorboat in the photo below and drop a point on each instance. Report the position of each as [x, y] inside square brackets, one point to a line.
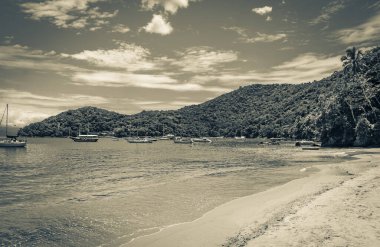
[202, 139]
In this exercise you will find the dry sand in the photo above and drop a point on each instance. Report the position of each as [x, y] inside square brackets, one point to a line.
[337, 206]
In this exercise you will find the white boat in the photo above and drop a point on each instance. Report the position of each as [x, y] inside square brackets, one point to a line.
[11, 140]
[150, 138]
[167, 137]
[240, 137]
[85, 138]
[202, 139]
[180, 140]
[138, 140]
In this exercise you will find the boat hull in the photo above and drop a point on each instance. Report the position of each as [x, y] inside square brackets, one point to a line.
[164, 138]
[12, 144]
[204, 140]
[139, 140]
[84, 140]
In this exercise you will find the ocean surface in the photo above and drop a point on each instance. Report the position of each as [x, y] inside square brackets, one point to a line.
[57, 192]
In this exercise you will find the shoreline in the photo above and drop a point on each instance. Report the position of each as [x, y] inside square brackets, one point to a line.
[251, 219]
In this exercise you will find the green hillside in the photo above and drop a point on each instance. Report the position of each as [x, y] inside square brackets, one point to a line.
[341, 110]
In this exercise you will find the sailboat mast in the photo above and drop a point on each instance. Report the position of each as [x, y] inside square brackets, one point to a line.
[6, 123]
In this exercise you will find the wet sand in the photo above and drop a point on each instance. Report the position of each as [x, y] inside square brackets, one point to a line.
[337, 206]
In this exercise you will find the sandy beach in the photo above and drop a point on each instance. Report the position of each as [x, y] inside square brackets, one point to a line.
[339, 205]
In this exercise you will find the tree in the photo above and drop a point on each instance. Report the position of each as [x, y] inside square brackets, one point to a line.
[352, 64]
[364, 132]
[352, 61]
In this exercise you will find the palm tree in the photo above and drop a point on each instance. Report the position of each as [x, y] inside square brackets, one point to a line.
[353, 64]
[352, 61]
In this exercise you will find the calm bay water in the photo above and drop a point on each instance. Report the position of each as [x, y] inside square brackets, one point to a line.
[59, 193]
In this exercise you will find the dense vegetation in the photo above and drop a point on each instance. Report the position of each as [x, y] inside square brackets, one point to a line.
[340, 110]
[352, 116]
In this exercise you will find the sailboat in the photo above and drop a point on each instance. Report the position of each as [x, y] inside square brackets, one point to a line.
[11, 140]
[85, 138]
[166, 137]
[138, 139]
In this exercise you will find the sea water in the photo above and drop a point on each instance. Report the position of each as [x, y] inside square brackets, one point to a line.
[57, 192]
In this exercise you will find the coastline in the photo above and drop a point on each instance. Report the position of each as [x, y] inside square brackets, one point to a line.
[290, 214]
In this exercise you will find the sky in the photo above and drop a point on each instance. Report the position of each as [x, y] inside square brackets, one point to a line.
[134, 55]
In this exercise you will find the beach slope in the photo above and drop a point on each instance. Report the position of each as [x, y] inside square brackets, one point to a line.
[337, 206]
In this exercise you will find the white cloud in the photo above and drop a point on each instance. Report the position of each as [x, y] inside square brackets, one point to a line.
[263, 10]
[8, 39]
[75, 14]
[26, 107]
[376, 5]
[239, 30]
[120, 29]
[260, 37]
[22, 57]
[128, 56]
[170, 6]
[328, 11]
[171, 105]
[132, 58]
[303, 68]
[158, 25]
[203, 59]
[366, 33]
[117, 79]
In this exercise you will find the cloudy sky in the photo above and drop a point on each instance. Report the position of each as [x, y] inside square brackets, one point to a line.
[134, 55]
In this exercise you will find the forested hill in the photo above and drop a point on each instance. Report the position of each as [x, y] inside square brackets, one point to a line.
[341, 110]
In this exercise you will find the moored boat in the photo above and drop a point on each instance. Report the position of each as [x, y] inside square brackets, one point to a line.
[167, 137]
[202, 139]
[85, 138]
[180, 140]
[11, 140]
[138, 140]
[150, 138]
